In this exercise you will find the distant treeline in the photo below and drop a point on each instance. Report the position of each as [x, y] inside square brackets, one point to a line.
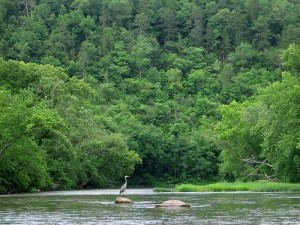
[163, 90]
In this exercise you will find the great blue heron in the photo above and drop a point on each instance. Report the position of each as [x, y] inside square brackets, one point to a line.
[124, 185]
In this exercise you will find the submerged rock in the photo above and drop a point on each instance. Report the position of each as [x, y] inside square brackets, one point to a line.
[173, 203]
[121, 200]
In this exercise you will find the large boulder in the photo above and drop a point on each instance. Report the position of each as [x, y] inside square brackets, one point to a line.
[173, 203]
[121, 200]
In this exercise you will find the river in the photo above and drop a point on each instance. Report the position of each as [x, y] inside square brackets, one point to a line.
[98, 207]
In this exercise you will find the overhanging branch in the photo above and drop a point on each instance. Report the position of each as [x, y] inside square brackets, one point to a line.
[253, 161]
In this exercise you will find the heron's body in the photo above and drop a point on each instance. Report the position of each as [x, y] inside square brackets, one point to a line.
[124, 185]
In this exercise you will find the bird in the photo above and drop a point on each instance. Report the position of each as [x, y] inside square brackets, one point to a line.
[124, 185]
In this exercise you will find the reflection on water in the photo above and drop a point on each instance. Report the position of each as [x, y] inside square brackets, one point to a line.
[98, 207]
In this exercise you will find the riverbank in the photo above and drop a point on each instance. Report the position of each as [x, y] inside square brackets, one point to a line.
[259, 186]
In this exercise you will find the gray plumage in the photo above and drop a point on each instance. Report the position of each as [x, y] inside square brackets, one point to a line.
[124, 185]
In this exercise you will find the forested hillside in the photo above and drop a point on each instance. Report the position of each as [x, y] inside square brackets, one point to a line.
[162, 90]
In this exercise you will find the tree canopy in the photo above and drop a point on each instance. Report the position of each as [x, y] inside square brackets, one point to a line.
[174, 90]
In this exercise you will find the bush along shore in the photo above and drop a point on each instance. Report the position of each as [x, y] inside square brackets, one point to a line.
[259, 186]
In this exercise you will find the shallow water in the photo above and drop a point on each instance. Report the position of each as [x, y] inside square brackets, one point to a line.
[98, 207]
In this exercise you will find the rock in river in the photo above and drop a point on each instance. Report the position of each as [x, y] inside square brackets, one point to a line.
[173, 203]
[121, 200]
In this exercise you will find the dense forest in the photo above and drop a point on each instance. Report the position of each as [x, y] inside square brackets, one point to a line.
[162, 90]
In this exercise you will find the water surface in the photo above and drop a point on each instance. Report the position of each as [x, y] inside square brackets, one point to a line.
[98, 207]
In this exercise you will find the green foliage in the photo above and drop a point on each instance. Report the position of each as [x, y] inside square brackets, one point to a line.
[23, 161]
[291, 58]
[123, 81]
[142, 52]
[261, 186]
[51, 137]
[261, 135]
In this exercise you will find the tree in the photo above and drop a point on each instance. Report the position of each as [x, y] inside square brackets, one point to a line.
[87, 52]
[200, 159]
[107, 40]
[239, 26]
[60, 41]
[197, 22]
[256, 142]
[196, 81]
[88, 7]
[169, 21]
[174, 81]
[116, 64]
[88, 26]
[281, 142]
[289, 35]
[116, 11]
[23, 160]
[262, 33]
[26, 6]
[243, 57]
[240, 141]
[142, 52]
[141, 21]
[26, 42]
[219, 33]
[252, 9]
[291, 59]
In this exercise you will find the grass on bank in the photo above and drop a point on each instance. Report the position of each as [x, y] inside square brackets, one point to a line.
[259, 186]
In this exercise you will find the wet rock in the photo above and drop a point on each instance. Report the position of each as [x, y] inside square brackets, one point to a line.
[121, 200]
[173, 203]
